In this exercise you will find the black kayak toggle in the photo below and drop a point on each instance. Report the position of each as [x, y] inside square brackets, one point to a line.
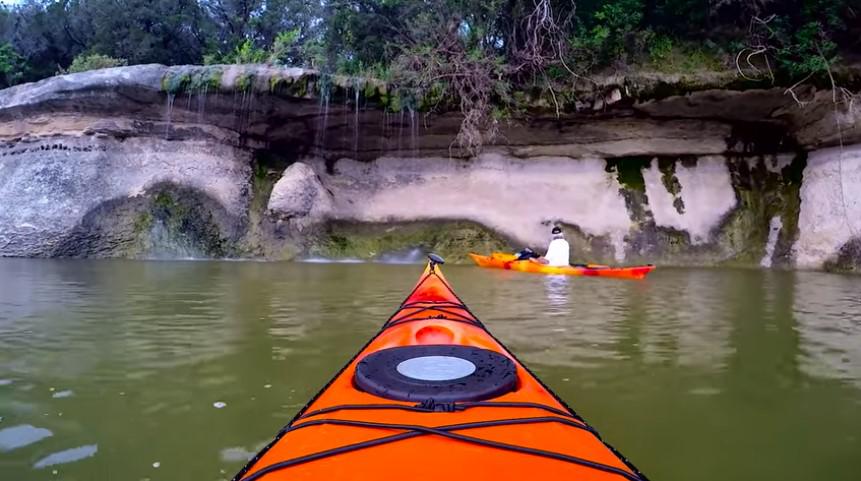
[434, 406]
[436, 374]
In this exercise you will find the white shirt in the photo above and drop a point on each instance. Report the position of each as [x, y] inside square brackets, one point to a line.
[557, 253]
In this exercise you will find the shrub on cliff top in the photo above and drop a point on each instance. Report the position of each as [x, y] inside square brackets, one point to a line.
[284, 51]
[245, 52]
[94, 61]
[12, 66]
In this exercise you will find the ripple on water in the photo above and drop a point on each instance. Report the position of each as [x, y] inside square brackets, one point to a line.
[827, 309]
[20, 436]
[236, 454]
[67, 456]
[63, 394]
[705, 391]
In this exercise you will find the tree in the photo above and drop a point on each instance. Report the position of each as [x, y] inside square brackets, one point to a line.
[256, 25]
[42, 33]
[12, 66]
[145, 31]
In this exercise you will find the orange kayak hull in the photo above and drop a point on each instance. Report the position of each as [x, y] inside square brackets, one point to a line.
[499, 260]
[347, 432]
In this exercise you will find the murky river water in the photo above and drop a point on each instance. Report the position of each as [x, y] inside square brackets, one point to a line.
[179, 370]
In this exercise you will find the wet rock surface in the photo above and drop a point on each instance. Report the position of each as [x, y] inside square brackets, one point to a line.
[299, 194]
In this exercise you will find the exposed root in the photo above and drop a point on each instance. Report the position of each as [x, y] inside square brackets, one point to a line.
[791, 91]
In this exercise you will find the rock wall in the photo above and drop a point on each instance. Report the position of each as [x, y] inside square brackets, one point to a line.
[69, 196]
[255, 161]
[693, 210]
[693, 198]
[518, 198]
[830, 219]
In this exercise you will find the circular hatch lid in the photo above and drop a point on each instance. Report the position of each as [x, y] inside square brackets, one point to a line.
[444, 373]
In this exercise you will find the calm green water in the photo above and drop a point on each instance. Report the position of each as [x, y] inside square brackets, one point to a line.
[693, 374]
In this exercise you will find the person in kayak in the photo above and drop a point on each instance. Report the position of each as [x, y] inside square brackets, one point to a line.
[558, 252]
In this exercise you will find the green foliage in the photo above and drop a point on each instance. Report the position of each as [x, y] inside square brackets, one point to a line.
[12, 65]
[471, 55]
[661, 50]
[162, 31]
[612, 31]
[243, 53]
[666, 54]
[212, 58]
[357, 36]
[802, 39]
[284, 48]
[93, 61]
[808, 51]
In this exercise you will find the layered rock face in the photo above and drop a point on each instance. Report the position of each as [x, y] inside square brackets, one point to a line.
[254, 161]
[705, 210]
[83, 197]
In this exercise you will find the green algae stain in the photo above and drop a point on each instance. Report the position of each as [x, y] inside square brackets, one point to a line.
[142, 223]
[451, 239]
[244, 82]
[198, 80]
[790, 208]
[667, 166]
[629, 171]
[188, 222]
[174, 83]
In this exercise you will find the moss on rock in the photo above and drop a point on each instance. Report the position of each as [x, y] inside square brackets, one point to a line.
[192, 79]
[451, 239]
[265, 236]
[182, 224]
[667, 166]
[169, 221]
[588, 248]
[629, 171]
[244, 82]
[762, 194]
[848, 259]
[740, 239]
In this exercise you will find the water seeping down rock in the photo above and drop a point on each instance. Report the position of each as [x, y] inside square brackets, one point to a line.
[256, 161]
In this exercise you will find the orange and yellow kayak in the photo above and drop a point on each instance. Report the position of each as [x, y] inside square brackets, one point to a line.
[499, 260]
[434, 396]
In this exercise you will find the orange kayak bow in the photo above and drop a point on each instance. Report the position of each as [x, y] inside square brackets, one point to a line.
[434, 396]
[499, 260]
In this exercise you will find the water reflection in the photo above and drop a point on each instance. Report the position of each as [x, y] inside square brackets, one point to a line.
[827, 309]
[556, 290]
[583, 319]
[688, 321]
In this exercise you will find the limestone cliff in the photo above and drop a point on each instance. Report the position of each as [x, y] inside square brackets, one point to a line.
[255, 161]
